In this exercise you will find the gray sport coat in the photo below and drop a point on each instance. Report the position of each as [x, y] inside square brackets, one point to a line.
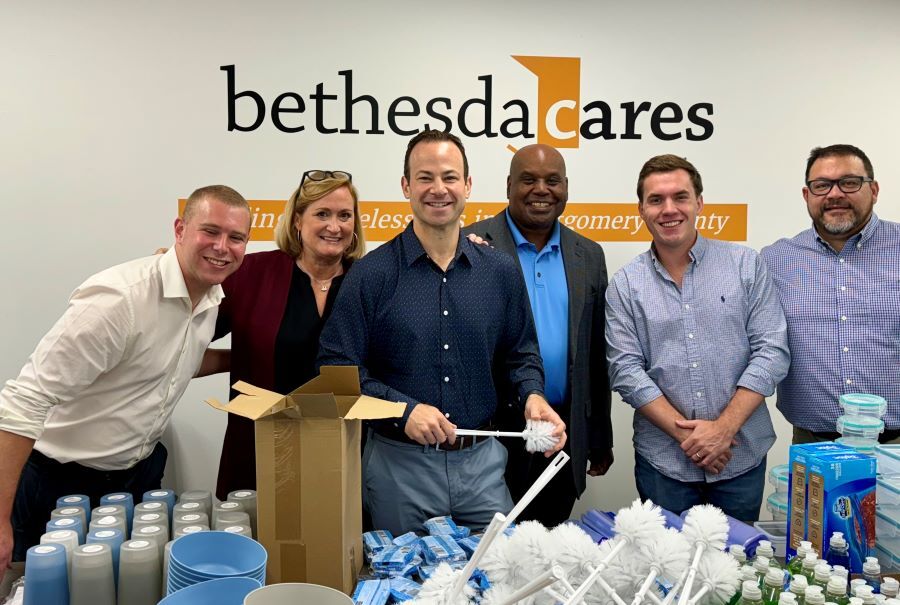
[589, 424]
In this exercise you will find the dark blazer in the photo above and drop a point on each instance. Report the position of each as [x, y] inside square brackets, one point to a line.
[256, 296]
[589, 424]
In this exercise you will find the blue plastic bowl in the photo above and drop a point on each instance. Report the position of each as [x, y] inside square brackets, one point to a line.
[218, 554]
[224, 591]
[223, 569]
[195, 576]
[182, 580]
[174, 585]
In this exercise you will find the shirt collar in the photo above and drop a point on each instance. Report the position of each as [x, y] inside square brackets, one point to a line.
[413, 250]
[860, 238]
[696, 252]
[520, 240]
[174, 286]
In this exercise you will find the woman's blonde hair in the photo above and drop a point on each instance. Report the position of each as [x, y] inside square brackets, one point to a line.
[287, 238]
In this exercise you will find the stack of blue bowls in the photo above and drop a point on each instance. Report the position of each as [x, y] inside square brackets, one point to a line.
[225, 591]
[212, 555]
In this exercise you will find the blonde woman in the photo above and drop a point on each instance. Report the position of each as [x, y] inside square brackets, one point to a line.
[276, 304]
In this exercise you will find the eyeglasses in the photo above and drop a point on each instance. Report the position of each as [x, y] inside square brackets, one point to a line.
[321, 175]
[847, 184]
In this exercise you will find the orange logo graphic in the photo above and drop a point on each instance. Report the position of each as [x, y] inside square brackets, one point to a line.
[559, 98]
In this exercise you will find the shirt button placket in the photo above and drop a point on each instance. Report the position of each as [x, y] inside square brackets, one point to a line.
[444, 333]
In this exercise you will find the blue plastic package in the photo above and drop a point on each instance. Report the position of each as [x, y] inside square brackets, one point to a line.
[393, 558]
[403, 589]
[445, 526]
[406, 539]
[441, 548]
[426, 571]
[376, 541]
[469, 544]
[372, 592]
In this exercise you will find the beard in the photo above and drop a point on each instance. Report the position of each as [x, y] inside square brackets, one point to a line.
[839, 227]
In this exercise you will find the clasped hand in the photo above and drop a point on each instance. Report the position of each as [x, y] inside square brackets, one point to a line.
[707, 443]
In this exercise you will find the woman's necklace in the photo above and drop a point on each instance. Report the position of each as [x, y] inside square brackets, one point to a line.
[323, 284]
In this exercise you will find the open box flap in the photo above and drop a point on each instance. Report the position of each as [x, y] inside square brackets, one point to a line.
[252, 402]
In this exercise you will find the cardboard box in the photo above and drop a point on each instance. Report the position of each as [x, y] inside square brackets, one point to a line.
[842, 499]
[308, 468]
[797, 524]
[832, 488]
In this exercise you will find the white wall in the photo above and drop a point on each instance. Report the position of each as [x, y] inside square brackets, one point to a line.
[112, 111]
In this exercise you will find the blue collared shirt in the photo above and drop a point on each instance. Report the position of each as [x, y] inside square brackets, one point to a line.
[445, 338]
[723, 328]
[843, 313]
[545, 278]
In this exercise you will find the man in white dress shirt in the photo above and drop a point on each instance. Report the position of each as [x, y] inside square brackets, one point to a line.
[86, 413]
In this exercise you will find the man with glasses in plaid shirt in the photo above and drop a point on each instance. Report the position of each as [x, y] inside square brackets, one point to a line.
[839, 284]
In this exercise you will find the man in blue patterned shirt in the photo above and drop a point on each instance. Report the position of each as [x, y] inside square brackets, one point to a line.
[696, 341]
[839, 283]
[437, 322]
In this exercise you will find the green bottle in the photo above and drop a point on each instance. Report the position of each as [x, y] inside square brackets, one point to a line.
[798, 587]
[750, 594]
[761, 565]
[737, 551]
[772, 585]
[795, 565]
[748, 574]
[809, 567]
[836, 591]
[821, 574]
[764, 549]
[814, 596]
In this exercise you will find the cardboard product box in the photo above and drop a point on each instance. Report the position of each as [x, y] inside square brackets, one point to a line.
[798, 462]
[841, 497]
[308, 467]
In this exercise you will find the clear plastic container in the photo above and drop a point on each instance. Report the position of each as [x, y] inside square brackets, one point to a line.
[890, 562]
[887, 491]
[778, 477]
[863, 446]
[861, 404]
[887, 525]
[863, 427]
[777, 504]
[776, 533]
[888, 455]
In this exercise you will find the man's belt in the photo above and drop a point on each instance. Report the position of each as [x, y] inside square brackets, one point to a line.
[461, 443]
